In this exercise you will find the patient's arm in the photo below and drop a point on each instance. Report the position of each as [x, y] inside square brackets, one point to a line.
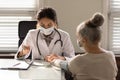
[62, 64]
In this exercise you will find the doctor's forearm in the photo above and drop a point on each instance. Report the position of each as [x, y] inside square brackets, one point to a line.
[25, 50]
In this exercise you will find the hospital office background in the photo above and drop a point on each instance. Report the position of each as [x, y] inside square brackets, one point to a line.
[70, 14]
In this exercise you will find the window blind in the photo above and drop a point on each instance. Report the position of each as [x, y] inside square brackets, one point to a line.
[9, 32]
[18, 4]
[11, 12]
[114, 27]
[114, 5]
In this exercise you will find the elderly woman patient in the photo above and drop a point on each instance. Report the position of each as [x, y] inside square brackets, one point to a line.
[97, 63]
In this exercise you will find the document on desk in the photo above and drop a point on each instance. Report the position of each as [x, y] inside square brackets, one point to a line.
[14, 65]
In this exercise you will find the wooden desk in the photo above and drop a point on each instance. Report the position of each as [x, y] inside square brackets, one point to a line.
[33, 73]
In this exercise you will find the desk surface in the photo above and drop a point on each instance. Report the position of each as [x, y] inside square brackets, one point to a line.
[33, 73]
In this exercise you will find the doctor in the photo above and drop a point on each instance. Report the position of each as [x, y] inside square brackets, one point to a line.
[47, 42]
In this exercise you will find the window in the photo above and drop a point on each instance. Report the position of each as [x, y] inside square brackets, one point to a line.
[9, 32]
[11, 12]
[17, 4]
[114, 26]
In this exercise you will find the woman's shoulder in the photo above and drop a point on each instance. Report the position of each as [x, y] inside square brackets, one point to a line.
[110, 53]
[62, 32]
[106, 54]
[79, 57]
[78, 60]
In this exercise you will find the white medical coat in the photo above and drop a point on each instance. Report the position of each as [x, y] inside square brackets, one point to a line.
[67, 48]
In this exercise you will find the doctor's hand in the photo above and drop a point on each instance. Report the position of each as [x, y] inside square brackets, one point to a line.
[25, 50]
[51, 57]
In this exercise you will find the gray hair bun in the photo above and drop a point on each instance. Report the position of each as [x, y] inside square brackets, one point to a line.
[96, 21]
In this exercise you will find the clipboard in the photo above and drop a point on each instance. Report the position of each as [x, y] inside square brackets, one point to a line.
[15, 65]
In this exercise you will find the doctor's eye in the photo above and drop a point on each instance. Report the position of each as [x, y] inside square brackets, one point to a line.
[42, 25]
[49, 25]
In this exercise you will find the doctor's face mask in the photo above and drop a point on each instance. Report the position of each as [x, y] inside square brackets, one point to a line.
[47, 31]
[46, 26]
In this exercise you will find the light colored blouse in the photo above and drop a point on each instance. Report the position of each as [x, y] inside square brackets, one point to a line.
[94, 66]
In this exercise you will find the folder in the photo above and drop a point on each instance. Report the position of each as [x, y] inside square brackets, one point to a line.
[15, 65]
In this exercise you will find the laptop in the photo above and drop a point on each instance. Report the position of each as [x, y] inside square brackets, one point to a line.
[13, 64]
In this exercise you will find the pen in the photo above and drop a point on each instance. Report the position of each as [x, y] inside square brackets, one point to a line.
[16, 64]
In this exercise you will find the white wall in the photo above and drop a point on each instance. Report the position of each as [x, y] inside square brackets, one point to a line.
[72, 12]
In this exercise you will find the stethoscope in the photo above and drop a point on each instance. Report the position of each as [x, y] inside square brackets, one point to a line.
[59, 40]
[31, 62]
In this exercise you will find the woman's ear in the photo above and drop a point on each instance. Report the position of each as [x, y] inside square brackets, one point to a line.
[56, 26]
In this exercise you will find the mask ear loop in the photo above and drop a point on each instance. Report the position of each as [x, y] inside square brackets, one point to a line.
[81, 47]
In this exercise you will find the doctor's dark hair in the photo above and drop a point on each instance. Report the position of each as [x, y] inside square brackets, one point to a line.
[49, 13]
[91, 29]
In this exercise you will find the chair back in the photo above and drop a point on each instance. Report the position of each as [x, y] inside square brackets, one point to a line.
[23, 28]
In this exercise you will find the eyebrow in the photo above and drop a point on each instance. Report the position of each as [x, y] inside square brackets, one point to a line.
[47, 24]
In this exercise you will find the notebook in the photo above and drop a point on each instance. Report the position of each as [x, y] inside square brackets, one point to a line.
[13, 64]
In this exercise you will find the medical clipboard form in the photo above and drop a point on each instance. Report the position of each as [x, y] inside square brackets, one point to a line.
[15, 65]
